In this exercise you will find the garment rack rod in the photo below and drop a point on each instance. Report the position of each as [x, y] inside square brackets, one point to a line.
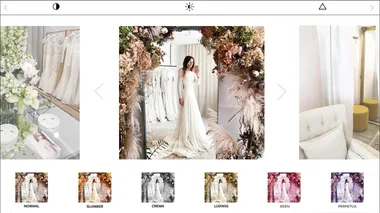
[168, 66]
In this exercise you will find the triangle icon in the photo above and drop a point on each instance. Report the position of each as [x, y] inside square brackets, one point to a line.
[322, 7]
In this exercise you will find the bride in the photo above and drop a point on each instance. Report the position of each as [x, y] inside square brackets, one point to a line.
[31, 197]
[284, 195]
[157, 194]
[94, 192]
[189, 137]
[221, 197]
[346, 194]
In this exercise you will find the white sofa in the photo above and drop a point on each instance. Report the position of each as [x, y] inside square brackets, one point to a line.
[317, 123]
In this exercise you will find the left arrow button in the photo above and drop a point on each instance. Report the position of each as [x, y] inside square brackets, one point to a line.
[5, 7]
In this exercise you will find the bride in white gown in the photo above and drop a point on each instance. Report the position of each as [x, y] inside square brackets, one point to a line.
[346, 194]
[221, 197]
[284, 198]
[31, 196]
[157, 194]
[189, 137]
[94, 192]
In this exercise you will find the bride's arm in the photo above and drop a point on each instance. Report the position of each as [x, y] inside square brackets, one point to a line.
[180, 83]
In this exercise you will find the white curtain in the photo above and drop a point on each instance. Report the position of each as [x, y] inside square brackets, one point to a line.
[357, 44]
[35, 36]
[371, 72]
[207, 91]
[337, 68]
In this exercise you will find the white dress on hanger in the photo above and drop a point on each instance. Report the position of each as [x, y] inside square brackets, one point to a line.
[189, 138]
[56, 64]
[173, 92]
[158, 101]
[48, 62]
[167, 94]
[73, 83]
[59, 91]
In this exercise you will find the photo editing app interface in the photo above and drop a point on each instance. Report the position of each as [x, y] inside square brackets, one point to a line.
[241, 106]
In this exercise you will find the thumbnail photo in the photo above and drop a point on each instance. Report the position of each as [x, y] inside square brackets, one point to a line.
[157, 187]
[39, 78]
[94, 187]
[284, 187]
[31, 187]
[339, 92]
[221, 187]
[191, 92]
[347, 187]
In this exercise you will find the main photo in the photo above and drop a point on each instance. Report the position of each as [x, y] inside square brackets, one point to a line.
[191, 92]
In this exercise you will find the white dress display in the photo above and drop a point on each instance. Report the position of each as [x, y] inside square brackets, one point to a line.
[284, 198]
[157, 96]
[59, 91]
[189, 137]
[157, 194]
[48, 63]
[70, 92]
[221, 197]
[347, 198]
[31, 196]
[56, 63]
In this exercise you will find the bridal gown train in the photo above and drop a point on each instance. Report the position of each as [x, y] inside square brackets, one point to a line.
[189, 137]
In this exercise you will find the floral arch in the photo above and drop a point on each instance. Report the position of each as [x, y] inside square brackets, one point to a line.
[237, 51]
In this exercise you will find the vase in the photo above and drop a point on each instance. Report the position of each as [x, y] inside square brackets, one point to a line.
[7, 112]
[21, 112]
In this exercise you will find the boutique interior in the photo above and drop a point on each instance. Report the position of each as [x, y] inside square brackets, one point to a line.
[339, 85]
[53, 127]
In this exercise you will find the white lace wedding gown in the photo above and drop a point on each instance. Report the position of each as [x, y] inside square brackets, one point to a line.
[221, 197]
[189, 138]
[157, 194]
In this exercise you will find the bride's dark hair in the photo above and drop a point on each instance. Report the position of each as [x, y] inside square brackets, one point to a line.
[31, 181]
[185, 62]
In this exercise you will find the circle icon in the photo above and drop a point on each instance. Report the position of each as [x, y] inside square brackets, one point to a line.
[56, 6]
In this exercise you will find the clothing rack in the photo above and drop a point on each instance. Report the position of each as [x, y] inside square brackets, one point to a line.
[72, 110]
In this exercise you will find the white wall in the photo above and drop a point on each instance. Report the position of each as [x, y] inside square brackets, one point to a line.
[227, 107]
[178, 54]
[310, 83]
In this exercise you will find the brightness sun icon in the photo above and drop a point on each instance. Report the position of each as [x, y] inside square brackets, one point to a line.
[189, 6]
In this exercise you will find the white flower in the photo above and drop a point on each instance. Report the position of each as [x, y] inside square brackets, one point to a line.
[256, 73]
[29, 70]
[35, 103]
[164, 30]
[12, 99]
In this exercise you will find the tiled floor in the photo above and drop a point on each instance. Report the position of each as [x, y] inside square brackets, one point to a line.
[367, 135]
